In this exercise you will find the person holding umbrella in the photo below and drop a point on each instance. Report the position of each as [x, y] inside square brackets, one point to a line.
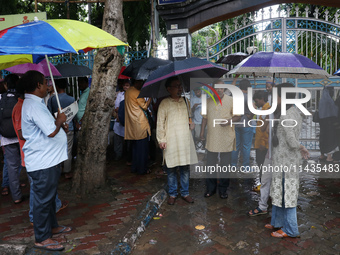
[287, 152]
[137, 128]
[175, 139]
[46, 141]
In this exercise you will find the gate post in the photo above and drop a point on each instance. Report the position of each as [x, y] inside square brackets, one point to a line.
[179, 44]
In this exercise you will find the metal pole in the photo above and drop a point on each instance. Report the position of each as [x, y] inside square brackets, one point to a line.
[53, 84]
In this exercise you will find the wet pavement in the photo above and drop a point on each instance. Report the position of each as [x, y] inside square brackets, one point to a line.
[228, 230]
[101, 221]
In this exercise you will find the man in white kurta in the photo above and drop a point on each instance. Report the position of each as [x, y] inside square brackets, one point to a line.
[175, 139]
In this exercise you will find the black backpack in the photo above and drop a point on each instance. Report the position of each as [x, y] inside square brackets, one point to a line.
[7, 104]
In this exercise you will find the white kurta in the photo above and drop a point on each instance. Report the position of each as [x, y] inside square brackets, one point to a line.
[173, 129]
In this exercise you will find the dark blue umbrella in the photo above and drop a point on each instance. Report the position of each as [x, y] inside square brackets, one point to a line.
[185, 69]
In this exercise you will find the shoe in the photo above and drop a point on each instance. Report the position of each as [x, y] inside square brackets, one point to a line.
[188, 199]
[224, 196]
[171, 200]
[209, 194]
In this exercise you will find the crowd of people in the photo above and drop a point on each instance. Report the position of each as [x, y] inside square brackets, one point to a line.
[173, 125]
[32, 128]
[181, 138]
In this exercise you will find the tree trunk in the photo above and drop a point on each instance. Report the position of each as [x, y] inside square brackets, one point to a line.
[90, 172]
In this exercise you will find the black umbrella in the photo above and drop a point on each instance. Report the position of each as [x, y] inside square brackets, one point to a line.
[71, 70]
[185, 69]
[141, 69]
[232, 59]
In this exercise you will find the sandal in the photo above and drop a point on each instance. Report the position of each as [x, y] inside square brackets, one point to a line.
[281, 234]
[46, 246]
[64, 204]
[259, 212]
[63, 229]
[19, 200]
[5, 191]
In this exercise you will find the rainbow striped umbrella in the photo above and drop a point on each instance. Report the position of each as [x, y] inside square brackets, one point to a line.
[40, 39]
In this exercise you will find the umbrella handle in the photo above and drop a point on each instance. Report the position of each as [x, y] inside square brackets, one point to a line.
[185, 100]
[53, 84]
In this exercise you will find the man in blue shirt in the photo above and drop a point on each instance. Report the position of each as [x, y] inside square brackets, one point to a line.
[65, 100]
[45, 148]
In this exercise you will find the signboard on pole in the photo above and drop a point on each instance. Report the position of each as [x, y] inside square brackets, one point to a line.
[161, 2]
[7, 21]
[179, 46]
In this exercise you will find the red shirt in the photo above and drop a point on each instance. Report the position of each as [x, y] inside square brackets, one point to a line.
[16, 118]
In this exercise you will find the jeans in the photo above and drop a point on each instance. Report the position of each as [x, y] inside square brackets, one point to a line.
[244, 138]
[184, 180]
[13, 159]
[5, 180]
[285, 218]
[30, 213]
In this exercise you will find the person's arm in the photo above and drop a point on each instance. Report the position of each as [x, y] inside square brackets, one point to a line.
[143, 104]
[203, 125]
[161, 129]
[59, 122]
[265, 127]
[235, 79]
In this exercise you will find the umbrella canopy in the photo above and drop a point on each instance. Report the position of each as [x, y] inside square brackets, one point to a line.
[13, 60]
[186, 69]
[121, 76]
[142, 68]
[71, 70]
[54, 37]
[233, 59]
[280, 65]
[337, 73]
[40, 67]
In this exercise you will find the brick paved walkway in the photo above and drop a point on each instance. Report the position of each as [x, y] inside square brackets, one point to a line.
[98, 222]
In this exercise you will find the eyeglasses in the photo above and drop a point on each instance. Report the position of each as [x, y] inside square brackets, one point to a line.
[177, 86]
